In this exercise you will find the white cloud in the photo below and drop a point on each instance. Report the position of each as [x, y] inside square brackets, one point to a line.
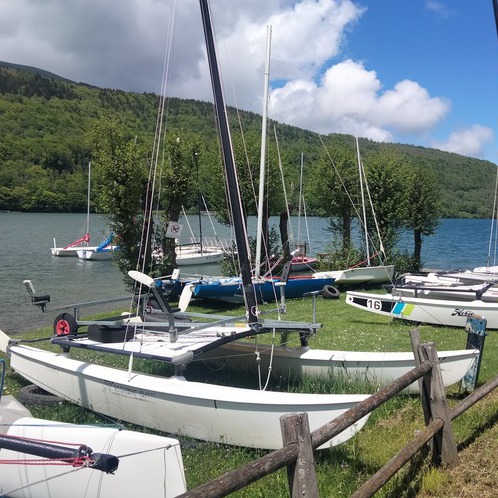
[468, 142]
[305, 36]
[349, 99]
[439, 8]
[122, 44]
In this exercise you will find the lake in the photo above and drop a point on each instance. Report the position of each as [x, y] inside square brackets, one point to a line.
[27, 238]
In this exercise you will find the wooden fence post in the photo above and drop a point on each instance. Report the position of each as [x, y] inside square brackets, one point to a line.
[425, 381]
[301, 473]
[444, 447]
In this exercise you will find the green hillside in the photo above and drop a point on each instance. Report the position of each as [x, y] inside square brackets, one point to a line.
[45, 121]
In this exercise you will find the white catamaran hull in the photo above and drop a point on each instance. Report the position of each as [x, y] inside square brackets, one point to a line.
[377, 368]
[205, 257]
[69, 251]
[94, 255]
[452, 313]
[209, 412]
[361, 275]
[463, 286]
[149, 465]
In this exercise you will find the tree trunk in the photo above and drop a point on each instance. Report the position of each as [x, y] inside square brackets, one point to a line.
[417, 248]
[284, 234]
[346, 232]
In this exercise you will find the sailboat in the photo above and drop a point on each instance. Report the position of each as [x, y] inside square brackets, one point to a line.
[267, 288]
[72, 248]
[442, 297]
[80, 248]
[204, 411]
[41, 457]
[199, 251]
[422, 309]
[102, 252]
[300, 261]
[364, 272]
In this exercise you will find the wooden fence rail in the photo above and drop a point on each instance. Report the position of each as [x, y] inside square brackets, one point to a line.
[297, 452]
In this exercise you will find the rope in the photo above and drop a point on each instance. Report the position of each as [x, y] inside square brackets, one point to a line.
[79, 461]
[62, 443]
[270, 365]
[365, 260]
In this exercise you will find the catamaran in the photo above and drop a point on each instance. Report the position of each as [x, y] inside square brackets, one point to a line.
[104, 251]
[71, 250]
[205, 411]
[41, 457]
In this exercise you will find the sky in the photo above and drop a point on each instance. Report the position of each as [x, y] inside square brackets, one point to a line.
[421, 72]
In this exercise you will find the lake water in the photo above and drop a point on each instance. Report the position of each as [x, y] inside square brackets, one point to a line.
[26, 239]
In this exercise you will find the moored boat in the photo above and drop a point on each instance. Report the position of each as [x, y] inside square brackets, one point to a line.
[100, 462]
[369, 367]
[104, 251]
[359, 275]
[448, 312]
[229, 289]
[203, 411]
[71, 250]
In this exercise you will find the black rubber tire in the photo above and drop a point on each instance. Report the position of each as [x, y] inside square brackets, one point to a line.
[330, 292]
[33, 395]
[65, 324]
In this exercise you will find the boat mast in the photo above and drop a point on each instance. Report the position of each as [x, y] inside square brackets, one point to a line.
[259, 234]
[195, 154]
[492, 234]
[300, 201]
[88, 205]
[365, 228]
[229, 161]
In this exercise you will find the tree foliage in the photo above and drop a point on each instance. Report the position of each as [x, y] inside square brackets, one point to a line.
[121, 179]
[50, 128]
[423, 208]
[45, 121]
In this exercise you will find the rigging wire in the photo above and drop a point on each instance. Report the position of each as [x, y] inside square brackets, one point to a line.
[355, 208]
[493, 222]
[291, 234]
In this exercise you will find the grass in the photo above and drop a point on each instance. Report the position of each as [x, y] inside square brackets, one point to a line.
[342, 469]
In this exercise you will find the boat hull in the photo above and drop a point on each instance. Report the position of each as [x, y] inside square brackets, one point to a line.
[302, 263]
[71, 252]
[202, 411]
[464, 286]
[375, 368]
[452, 313]
[361, 275]
[155, 460]
[94, 255]
[199, 258]
[230, 289]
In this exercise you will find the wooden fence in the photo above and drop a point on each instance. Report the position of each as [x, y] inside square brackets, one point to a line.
[299, 443]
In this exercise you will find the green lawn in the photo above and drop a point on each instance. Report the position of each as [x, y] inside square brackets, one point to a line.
[342, 469]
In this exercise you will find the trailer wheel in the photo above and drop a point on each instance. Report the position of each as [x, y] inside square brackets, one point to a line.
[65, 324]
[33, 395]
[330, 292]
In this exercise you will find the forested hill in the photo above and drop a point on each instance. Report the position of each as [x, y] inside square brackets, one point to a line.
[45, 121]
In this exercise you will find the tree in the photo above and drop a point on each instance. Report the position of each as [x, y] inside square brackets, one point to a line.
[334, 188]
[423, 206]
[179, 177]
[121, 178]
[384, 173]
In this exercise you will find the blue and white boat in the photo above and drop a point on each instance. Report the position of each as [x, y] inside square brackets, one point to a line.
[104, 251]
[229, 289]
